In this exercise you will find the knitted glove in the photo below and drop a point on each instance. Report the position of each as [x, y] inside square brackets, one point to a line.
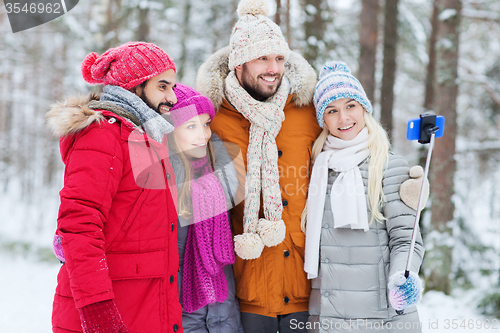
[102, 317]
[404, 292]
[410, 189]
[57, 248]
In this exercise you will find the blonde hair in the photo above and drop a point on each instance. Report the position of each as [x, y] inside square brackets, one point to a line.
[378, 146]
[184, 198]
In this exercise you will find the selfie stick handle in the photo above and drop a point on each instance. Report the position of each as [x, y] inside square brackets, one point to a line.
[419, 207]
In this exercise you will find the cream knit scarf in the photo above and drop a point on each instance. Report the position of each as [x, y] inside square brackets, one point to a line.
[347, 195]
[262, 168]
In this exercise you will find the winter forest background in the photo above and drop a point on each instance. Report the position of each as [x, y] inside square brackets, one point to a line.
[411, 56]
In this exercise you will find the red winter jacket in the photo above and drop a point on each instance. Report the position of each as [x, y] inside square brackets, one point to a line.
[117, 221]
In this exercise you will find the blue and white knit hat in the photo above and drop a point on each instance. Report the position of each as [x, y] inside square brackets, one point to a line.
[336, 82]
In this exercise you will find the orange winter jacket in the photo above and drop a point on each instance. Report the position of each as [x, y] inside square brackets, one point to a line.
[275, 283]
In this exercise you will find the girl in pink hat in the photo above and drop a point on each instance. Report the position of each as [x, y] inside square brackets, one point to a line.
[206, 253]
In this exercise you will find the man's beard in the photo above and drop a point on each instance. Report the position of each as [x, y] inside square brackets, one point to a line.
[255, 90]
[152, 106]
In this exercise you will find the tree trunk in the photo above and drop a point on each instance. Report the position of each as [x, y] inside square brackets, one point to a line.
[143, 30]
[314, 28]
[389, 71]
[287, 24]
[185, 34]
[6, 150]
[368, 38]
[234, 16]
[429, 82]
[439, 260]
[112, 24]
[277, 17]
[431, 66]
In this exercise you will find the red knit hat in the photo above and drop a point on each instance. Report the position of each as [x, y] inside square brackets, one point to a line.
[190, 103]
[127, 65]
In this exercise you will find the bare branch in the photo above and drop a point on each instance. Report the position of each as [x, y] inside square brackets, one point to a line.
[481, 14]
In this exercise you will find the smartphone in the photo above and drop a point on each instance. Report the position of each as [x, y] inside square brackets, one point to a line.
[416, 129]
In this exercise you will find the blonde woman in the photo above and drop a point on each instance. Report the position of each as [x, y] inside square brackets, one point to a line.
[358, 229]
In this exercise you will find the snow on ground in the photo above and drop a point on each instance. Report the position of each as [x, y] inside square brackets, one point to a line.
[26, 293]
[440, 313]
[27, 289]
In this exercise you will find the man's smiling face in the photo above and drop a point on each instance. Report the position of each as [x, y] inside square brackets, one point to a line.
[158, 92]
[262, 77]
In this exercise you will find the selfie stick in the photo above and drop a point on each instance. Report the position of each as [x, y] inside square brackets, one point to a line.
[432, 132]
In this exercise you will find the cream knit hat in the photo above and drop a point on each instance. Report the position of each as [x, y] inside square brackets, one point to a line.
[255, 35]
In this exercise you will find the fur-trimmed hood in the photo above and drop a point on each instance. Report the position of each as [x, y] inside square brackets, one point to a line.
[211, 77]
[76, 113]
[72, 115]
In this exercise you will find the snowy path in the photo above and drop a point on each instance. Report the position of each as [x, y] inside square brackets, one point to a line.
[26, 293]
[440, 314]
[27, 289]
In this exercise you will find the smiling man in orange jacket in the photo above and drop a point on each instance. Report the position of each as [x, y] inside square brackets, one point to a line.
[262, 92]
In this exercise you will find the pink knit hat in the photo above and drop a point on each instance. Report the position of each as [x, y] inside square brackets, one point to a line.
[127, 65]
[190, 103]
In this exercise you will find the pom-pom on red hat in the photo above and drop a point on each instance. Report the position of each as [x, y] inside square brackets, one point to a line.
[127, 65]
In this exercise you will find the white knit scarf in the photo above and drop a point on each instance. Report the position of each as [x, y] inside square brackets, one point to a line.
[347, 194]
[262, 168]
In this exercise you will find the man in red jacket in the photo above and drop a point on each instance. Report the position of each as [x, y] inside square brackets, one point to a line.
[117, 220]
